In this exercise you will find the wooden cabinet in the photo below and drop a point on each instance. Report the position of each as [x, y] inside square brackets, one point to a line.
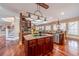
[39, 46]
[26, 26]
[32, 47]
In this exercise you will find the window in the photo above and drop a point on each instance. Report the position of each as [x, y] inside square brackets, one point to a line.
[48, 27]
[63, 26]
[37, 27]
[73, 28]
[54, 27]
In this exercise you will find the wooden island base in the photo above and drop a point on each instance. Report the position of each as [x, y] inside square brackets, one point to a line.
[36, 46]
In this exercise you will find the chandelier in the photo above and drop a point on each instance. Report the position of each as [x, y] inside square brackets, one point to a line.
[37, 16]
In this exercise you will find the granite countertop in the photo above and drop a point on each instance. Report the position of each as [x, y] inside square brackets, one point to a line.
[31, 37]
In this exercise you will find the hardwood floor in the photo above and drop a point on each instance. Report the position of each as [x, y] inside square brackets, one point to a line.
[70, 48]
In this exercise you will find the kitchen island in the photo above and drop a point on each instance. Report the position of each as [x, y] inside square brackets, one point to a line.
[36, 45]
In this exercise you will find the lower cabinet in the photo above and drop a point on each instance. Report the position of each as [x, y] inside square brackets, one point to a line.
[38, 47]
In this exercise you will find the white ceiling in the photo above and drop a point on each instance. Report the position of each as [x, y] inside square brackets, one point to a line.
[53, 12]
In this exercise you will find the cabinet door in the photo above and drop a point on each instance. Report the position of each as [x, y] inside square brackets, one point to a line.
[32, 47]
